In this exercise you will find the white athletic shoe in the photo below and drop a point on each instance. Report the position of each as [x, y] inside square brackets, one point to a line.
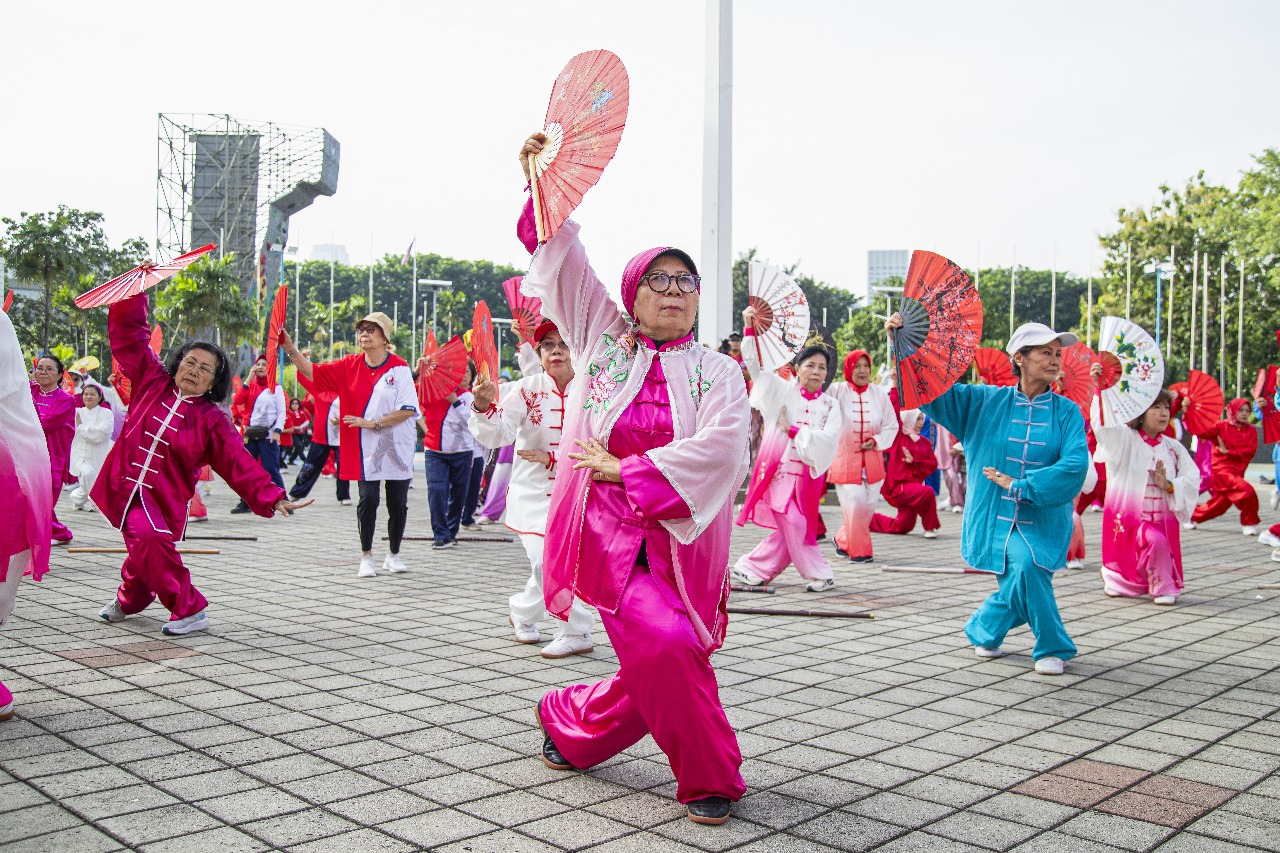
[931, 534]
[1269, 539]
[1190, 525]
[1275, 555]
[957, 508]
[1165, 599]
[820, 585]
[366, 568]
[1094, 508]
[178, 627]
[1275, 498]
[393, 564]
[984, 652]
[346, 502]
[1075, 564]
[527, 634]
[1111, 593]
[740, 578]
[112, 612]
[1249, 530]
[1050, 666]
[568, 644]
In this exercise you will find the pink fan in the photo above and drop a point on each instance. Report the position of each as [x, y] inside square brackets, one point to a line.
[526, 311]
[138, 279]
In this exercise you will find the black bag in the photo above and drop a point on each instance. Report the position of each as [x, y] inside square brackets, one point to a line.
[256, 433]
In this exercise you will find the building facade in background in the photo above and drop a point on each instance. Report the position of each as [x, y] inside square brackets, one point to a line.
[886, 263]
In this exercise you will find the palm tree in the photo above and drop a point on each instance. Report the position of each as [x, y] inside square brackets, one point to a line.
[206, 297]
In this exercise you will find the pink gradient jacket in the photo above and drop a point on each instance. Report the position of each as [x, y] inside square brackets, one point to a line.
[703, 464]
[167, 438]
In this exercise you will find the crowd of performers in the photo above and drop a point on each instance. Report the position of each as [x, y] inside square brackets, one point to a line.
[617, 458]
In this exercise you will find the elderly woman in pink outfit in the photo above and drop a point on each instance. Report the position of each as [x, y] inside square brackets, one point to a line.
[57, 411]
[640, 526]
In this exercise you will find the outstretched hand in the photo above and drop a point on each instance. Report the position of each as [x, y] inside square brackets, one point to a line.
[285, 507]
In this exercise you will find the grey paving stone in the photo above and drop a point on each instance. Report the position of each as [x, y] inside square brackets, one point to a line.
[357, 841]
[288, 830]
[971, 827]
[223, 839]
[82, 839]
[138, 828]
[1122, 832]
[432, 829]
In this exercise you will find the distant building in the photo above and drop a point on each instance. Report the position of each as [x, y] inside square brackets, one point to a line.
[335, 252]
[886, 263]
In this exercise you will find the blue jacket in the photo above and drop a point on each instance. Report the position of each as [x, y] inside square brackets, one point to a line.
[1041, 444]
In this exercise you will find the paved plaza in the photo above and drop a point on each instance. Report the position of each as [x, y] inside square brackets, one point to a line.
[329, 713]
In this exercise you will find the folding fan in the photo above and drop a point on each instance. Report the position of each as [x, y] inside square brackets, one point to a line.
[994, 367]
[585, 117]
[941, 326]
[279, 311]
[526, 311]
[782, 314]
[138, 279]
[1076, 383]
[8, 301]
[84, 364]
[1132, 370]
[120, 382]
[441, 369]
[484, 349]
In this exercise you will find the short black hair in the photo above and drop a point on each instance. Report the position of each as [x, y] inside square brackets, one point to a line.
[812, 350]
[94, 387]
[217, 392]
[55, 360]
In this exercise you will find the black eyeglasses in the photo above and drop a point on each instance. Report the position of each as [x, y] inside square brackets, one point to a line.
[660, 282]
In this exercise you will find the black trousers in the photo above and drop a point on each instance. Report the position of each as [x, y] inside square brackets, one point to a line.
[397, 511]
[317, 454]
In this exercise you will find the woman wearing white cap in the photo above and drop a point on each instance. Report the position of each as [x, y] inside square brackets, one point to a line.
[1030, 445]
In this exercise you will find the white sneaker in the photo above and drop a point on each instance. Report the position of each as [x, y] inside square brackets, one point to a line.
[527, 634]
[392, 564]
[1094, 508]
[931, 534]
[568, 644]
[178, 627]
[58, 543]
[740, 578]
[1050, 666]
[1111, 593]
[366, 568]
[957, 509]
[1269, 539]
[1275, 498]
[1165, 599]
[1275, 555]
[112, 612]
[820, 585]
[1190, 525]
[1075, 564]
[1249, 530]
[347, 502]
[985, 652]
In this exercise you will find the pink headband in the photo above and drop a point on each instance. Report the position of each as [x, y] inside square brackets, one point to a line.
[637, 266]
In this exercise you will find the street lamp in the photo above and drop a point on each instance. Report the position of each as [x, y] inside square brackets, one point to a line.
[435, 285]
[1160, 270]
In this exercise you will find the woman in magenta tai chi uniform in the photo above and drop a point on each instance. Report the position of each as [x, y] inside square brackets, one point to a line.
[57, 411]
[640, 526]
[174, 428]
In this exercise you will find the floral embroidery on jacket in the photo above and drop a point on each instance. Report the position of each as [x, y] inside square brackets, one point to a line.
[609, 372]
[533, 403]
[698, 386]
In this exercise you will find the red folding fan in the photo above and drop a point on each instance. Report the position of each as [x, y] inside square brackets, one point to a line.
[1076, 383]
[441, 369]
[8, 301]
[526, 311]
[941, 326]
[138, 279]
[994, 367]
[484, 350]
[1202, 402]
[279, 311]
[1264, 391]
[585, 117]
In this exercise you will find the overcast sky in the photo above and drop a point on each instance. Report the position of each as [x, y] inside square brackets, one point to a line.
[968, 128]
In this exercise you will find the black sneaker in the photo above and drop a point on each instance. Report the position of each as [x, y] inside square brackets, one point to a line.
[550, 755]
[862, 559]
[241, 507]
[709, 810]
[440, 546]
[842, 552]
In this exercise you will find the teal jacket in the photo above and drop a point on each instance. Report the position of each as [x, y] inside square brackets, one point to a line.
[1041, 444]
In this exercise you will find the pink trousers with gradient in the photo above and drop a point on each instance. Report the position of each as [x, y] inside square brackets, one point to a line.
[154, 570]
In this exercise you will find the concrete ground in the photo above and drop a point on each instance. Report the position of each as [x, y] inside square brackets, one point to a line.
[326, 712]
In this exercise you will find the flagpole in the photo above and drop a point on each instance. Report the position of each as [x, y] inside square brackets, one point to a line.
[297, 309]
[371, 272]
[1053, 290]
[1240, 332]
[413, 304]
[1204, 318]
[1195, 283]
[1088, 329]
[1128, 281]
[332, 253]
[1013, 286]
[1222, 321]
[1173, 274]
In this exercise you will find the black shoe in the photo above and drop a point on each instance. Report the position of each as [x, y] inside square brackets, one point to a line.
[710, 810]
[862, 559]
[550, 755]
[842, 552]
[240, 508]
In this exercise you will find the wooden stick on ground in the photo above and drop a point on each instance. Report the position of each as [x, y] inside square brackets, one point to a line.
[933, 570]
[1268, 586]
[820, 614]
[769, 590]
[461, 538]
[226, 537]
[126, 551]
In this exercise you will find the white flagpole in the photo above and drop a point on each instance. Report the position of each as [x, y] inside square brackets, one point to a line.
[1128, 280]
[1053, 291]
[1088, 329]
[332, 252]
[1013, 287]
[1195, 283]
[370, 271]
[1173, 274]
[1204, 318]
[1222, 322]
[1240, 332]
[413, 305]
[297, 308]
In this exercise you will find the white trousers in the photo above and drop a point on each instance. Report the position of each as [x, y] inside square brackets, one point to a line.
[84, 484]
[528, 607]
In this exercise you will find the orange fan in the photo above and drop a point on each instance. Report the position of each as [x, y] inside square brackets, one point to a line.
[526, 311]
[8, 301]
[138, 279]
[483, 348]
[1077, 377]
[441, 368]
[941, 326]
[279, 311]
[585, 117]
[994, 367]
[1202, 402]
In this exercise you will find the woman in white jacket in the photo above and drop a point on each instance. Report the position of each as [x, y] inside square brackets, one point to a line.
[94, 425]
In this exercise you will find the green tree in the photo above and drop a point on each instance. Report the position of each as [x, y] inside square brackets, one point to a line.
[450, 308]
[203, 297]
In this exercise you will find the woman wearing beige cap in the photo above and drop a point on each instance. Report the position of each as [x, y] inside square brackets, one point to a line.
[377, 442]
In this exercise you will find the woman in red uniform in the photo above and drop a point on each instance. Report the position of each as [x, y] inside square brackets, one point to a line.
[910, 461]
[1235, 441]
